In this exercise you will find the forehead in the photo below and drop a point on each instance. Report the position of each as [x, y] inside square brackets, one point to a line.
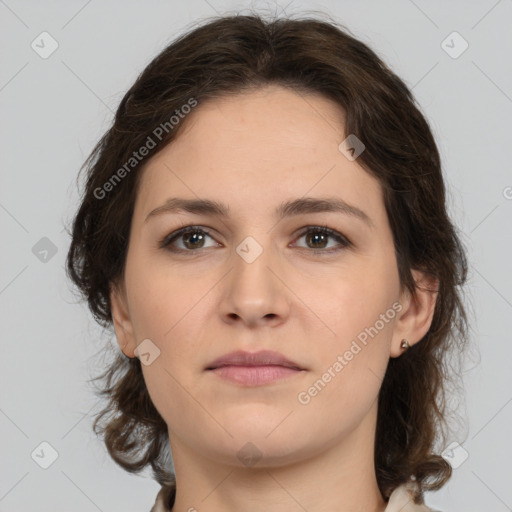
[258, 147]
[273, 115]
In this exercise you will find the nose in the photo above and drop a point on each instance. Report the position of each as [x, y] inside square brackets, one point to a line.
[255, 291]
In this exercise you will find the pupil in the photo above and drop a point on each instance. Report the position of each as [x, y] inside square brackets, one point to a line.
[192, 235]
[317, 236]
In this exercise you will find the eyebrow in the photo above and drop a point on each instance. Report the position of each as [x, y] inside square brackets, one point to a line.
[286, 209]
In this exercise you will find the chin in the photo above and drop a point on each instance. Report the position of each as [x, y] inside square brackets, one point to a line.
[266, 442]
[257, 454]
[256, 421]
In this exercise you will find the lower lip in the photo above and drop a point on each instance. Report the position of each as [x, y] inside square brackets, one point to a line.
[255, 375]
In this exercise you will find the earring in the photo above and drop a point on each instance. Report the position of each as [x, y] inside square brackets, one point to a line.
[404, 344]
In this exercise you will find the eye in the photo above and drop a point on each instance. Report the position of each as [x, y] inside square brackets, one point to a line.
[318, 237]
[193, 239]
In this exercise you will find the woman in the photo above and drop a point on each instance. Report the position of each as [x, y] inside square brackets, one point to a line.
[265, 227]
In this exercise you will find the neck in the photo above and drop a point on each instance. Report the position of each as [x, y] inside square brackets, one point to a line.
[341, 477]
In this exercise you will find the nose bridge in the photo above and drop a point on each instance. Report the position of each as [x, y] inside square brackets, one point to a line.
[252, 259]
[254, 291]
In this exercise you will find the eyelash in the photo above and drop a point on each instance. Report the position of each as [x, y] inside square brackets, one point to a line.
[166, 242]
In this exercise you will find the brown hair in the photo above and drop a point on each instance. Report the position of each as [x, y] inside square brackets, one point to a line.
[229, 55]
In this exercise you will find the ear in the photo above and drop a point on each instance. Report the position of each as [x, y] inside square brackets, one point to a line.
[415, 317]
[122, 320]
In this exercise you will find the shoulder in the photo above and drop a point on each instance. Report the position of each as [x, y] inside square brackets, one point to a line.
[401, 500]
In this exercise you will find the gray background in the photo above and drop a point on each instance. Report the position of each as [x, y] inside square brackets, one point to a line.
[54, 109]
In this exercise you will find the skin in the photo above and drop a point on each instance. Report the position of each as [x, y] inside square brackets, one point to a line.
[253, 151]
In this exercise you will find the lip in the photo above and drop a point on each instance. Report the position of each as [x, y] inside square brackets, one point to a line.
[261, 358]
[254, 368]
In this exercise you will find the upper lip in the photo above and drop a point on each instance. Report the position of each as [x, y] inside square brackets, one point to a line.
[262, 358]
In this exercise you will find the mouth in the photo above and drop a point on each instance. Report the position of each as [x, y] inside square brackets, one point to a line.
[254, 369]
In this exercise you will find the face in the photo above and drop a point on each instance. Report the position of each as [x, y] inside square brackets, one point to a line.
[254, 280]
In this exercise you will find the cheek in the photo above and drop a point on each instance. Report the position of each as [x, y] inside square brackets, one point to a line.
[166, 309]
[159, 299]
[358, 309]
[347, 379]
[354, 298]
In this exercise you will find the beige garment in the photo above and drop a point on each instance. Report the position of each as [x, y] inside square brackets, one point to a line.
[399, 501]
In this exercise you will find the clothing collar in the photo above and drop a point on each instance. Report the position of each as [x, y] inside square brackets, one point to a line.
[400, 500]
